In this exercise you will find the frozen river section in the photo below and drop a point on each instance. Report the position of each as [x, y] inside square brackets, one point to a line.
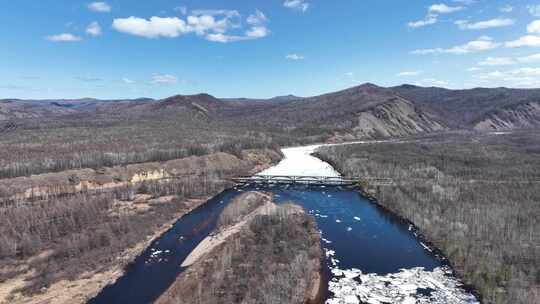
[298, 161]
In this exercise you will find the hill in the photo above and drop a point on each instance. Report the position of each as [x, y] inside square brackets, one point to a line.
[465, 109]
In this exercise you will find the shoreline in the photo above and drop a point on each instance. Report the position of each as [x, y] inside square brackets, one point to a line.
[90, 284]
[429, 245]
[438, 253]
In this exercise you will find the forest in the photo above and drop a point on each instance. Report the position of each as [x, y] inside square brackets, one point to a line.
[75, 235]
[474, 196]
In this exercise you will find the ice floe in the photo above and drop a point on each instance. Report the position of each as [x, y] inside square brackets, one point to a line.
[157, 256]
[326, 241]
[415, 285]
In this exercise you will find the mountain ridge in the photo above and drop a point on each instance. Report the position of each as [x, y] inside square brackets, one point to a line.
[392, 111]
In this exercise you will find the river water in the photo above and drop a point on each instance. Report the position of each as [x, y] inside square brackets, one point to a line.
[371, 256]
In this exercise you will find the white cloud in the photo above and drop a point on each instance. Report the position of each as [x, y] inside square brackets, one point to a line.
[301, 5]
[94, 29]
[127, 80]
[497, 61]
[530, 58]
[528, 71]
[294, 57]
[483, 43]
[433, 14]
[214, 12]
[257, 19]
[409, 73]
[521, 72]
[64, 37]
[164, 79]
[522, 77]
[257, 32]
[474, 69]
[100, 7]
[213, 25]
[480, 25]
[443, 9]
[204, 23]
[430, 19]
[524, 41]
[431, 82]
[506, 9]
[253, 33]
[219, 37]
[155, 27]
[534, 27]
[534, 10]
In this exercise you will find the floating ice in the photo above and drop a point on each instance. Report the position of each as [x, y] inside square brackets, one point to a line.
[401, 287]
[356, 218]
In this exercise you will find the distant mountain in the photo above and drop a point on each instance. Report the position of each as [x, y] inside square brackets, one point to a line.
[464, 109]
[22, 109]
[515, 116]
[277, 99]
[285, 98]
[364, 111]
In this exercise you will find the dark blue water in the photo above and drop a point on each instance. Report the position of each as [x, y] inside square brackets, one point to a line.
[376, 243]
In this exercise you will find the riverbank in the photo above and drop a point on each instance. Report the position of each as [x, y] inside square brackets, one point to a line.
[74, 270]
[443, 284]
[260, 253]
[87, 284]
[481, 217]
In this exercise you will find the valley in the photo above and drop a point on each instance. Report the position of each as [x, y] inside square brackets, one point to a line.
[94, 192]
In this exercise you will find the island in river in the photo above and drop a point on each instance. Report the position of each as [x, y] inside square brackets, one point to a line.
[261, 252]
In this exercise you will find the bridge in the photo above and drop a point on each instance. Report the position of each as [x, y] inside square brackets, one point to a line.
[296, 180]
[311, 180]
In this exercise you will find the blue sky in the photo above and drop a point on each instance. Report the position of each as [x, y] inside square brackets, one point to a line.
[158, 48]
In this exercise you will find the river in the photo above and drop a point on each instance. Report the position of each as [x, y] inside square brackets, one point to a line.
[371, 255]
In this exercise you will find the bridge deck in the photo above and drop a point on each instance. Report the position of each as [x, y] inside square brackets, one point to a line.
[287, 179]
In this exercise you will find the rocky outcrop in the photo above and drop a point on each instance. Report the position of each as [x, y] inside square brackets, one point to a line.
[395, 118]
[260, 253]
[214, 166]
[522, 116]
